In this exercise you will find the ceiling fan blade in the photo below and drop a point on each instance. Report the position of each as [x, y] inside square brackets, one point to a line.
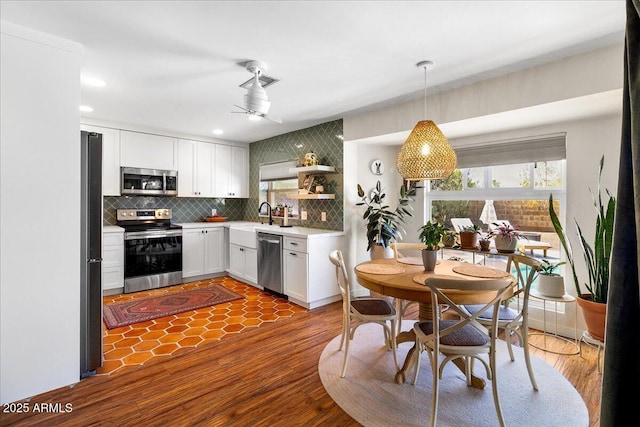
[244, 110]
[273, 119]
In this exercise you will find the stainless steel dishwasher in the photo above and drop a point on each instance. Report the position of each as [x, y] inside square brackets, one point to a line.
[270, 262]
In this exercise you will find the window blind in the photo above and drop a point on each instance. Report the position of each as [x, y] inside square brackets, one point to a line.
[538, 149]
[277, 171]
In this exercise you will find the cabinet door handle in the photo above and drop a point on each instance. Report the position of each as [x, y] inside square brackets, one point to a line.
[293, 243]
[291, 253]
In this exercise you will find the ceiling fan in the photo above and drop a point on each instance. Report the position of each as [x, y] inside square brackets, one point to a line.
[256, 102]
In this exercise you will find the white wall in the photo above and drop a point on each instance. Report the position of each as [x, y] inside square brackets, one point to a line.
[39, 213]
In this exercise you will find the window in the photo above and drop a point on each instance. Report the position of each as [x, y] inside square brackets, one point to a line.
[275, 193]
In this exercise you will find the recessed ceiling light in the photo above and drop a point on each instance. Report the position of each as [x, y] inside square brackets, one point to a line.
[218, 131]
[86, 109]
[92, 81]
[254, 118]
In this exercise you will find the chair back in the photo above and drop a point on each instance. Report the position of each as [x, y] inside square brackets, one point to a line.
[397, 247]
[525, 278]
[342, 278]
[459, 223]
[437, 283]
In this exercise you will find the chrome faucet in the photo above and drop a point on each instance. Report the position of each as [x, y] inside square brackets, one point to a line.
[260, 209]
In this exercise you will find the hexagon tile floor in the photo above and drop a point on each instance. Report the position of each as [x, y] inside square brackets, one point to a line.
[136, 344]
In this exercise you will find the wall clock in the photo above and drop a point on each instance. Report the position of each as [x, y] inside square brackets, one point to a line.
[377, 167]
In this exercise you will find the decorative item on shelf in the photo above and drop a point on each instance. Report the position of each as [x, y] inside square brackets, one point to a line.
[550, 283]
[319, 182]
[426, 154]
[383, 224]
[597, 257]
[377, 167]
[505, 236]
[310, 159]
[431, 235]
[469, 236]
[307, 183]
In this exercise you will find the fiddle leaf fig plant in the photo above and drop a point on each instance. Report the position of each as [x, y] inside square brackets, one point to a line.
[596, 257]
[384, 225]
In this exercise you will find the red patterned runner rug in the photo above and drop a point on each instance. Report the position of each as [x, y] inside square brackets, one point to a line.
[126, 313]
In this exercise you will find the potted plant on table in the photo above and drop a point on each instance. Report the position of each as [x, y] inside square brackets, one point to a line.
[593, 302]
[384, 226]
[431, 236]
[469, 236]
[550, 283]
[505, 236]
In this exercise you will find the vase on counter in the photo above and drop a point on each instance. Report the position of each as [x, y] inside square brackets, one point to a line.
[429, 259]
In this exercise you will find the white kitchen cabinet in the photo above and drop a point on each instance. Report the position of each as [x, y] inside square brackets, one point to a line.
[243, 263]
[195, 168]
[203, 251]
[110, 158]
[309, 276]
[231, 171]
[296, 266]
[147, 151]
[112, 260]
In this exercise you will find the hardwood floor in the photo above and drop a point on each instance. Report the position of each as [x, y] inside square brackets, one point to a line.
[265, 376]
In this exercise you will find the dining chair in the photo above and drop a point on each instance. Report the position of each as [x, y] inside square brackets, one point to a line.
[464, 338]
[515, 320]
[358, 311]
[401, 304]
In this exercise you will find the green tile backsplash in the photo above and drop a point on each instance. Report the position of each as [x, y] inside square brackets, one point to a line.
[326, 141]
[184, 209]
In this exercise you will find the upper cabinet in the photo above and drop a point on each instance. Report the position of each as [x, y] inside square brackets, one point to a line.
[195, 168]
[143, 150]
[231, 171]
[110, 158]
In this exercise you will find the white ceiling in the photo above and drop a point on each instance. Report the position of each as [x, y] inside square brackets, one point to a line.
[173, 65]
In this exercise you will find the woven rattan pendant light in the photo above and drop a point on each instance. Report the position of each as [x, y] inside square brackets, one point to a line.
[426, 154]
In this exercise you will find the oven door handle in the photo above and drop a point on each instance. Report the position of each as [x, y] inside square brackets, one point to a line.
[151, 234]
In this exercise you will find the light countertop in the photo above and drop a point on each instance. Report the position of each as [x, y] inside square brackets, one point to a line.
[295, 231]
[112, 229]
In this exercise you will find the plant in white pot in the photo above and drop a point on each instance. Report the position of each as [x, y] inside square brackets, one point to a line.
[431, 236]
[550, 283]
[505, 236]
[383, 224]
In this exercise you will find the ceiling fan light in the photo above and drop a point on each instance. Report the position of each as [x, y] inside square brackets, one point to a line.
[256, 99]
[438, 162]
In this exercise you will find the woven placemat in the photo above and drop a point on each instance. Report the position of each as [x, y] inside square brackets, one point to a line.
[380, 269]
[474, 270]
[411, 260]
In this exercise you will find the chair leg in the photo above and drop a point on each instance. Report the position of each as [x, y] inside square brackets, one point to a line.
[436, 388]
[345, 331]
[508, 332]
[400, 314]
[416, 356]
[346, 355]
[494, 384]
[527, 358]
[394, 345]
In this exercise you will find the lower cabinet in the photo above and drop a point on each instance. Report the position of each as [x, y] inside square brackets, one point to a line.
[295, 275]
[243, 263]
[203, 251]
[309, 276]
[112, 261]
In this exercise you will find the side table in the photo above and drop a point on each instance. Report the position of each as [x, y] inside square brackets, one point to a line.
[565, 299]
[586, 337]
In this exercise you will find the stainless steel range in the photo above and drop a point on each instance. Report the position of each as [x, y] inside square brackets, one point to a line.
[152, 247]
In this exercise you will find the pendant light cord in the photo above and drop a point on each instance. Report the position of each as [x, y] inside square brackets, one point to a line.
[425, 92]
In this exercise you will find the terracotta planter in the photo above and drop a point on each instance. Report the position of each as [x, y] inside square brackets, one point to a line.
[429, 259]
[377, 251]
[505, 244]
[485, 244]
[448, 240]
[468, 240]
[595, 314]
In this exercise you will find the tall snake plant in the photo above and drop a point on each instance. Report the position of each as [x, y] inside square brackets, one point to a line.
[596, 257]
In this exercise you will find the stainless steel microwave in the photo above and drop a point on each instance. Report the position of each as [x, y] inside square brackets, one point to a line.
[149, 182]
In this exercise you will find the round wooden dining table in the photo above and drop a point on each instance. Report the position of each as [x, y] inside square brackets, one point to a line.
[405, 281]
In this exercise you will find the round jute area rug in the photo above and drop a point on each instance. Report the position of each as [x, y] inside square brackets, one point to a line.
[369, 394]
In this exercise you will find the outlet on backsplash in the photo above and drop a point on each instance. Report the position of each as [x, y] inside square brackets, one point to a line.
[323, 216]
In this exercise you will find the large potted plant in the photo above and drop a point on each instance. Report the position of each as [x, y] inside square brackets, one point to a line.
[505, 236]
[384, 226]
[431, 236]
[596, 256]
